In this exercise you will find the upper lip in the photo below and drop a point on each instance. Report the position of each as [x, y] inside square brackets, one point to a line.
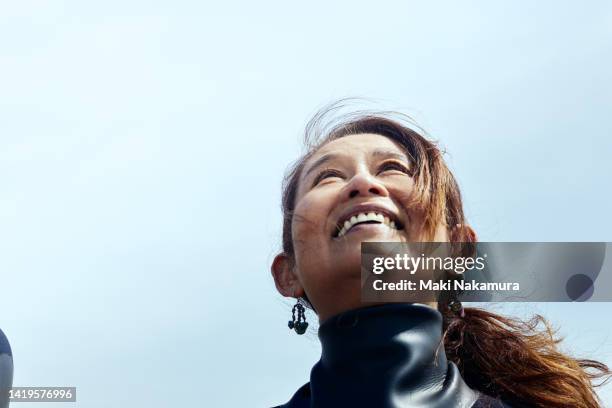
[365, 208]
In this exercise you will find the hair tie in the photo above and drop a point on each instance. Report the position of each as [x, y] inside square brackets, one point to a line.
[457, 308]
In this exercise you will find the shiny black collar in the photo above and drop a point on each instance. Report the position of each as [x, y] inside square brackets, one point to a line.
[384, 356]
[388, 355]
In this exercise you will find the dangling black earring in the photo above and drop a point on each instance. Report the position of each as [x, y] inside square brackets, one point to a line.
[300, 324]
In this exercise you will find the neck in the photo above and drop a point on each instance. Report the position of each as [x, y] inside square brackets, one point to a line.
[386, 356]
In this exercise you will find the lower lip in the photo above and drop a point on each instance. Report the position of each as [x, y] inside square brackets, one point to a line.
[367, 227]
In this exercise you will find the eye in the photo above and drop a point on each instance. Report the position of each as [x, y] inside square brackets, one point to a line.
[394, 166]
[327, 173]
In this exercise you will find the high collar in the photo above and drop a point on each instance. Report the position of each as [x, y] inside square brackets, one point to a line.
[388, 356]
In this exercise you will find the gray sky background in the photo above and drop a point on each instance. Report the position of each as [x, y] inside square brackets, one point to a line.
[142, 147]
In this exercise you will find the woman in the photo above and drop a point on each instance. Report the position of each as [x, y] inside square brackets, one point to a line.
[388, 355]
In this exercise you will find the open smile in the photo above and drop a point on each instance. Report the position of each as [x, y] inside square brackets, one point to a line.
[360, 217]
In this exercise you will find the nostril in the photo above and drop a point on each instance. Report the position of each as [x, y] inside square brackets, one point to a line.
[353, 193]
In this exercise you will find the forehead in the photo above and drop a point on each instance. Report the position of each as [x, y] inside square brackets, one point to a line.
[362, 142]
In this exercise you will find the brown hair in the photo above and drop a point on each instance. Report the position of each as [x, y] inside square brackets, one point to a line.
[502, 357]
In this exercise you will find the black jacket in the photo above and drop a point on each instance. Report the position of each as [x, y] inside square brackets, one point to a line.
[386, 356]
[6, 370]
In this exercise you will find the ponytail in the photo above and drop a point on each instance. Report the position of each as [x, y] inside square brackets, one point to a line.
[519, 361]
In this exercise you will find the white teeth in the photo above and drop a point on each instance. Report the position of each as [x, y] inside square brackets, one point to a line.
[362, 217]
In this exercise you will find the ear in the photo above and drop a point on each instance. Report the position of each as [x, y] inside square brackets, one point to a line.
[469, 233]
[285, 279]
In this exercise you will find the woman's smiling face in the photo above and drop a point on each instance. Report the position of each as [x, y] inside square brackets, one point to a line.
[365, 174]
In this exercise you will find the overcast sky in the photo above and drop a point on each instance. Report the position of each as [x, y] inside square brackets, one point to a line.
[143, 143]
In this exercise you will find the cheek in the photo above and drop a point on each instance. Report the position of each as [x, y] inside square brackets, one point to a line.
[403, 189]
[310, 232]
[309, 220]
[405, 195]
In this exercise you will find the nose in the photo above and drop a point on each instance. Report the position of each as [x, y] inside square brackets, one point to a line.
[364, 184]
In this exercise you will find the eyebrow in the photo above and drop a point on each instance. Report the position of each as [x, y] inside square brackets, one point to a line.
[378, 153]
[320, 161]
[390, 154]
